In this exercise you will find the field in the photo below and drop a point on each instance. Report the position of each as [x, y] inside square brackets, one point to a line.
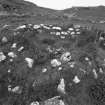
[51, 57]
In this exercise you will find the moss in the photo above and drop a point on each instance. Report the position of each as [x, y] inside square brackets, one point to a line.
[102, 44]
[48, 41]
[96, 92]
[85, 38]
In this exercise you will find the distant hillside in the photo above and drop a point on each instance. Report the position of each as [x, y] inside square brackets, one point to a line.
[87, 12]
[21, 7]
[21, 12]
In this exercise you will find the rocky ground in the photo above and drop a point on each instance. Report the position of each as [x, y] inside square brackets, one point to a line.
[45, 61]
[39, 62]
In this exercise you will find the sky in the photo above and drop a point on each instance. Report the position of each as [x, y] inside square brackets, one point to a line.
[63, 4]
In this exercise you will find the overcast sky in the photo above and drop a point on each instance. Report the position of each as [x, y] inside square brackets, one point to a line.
[62, 4]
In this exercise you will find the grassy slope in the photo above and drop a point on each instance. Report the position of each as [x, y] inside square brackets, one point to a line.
[20, 12]
[88, 16]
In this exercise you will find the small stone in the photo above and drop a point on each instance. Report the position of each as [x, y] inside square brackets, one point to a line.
[4, 39]
[21, 27]
[61, 86]
[78, 33]
[77, 29]
[45, 26]
[2, 56]
[76, 79]
[9, 88]
[57, 28]
[62, 37]
[60, 68]
[21, 48]
[14, 45]
[58, 33]
[100, 70]
[72, 64]
[95, 73]
[17, 89]
[36, 26]
[64, 33]
[61, 102]
[71, 29]
[66, 57]
[44, 70]
[11, 60]
[30, 62]
[12, 54]
[34, 103]
[9, 71]
[55, 63]
[72, 33]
